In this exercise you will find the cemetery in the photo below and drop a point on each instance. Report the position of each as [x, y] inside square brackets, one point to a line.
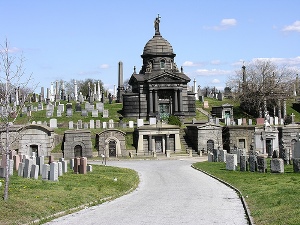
[135, 123]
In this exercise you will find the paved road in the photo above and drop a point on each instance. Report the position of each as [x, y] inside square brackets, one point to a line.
[170, 192]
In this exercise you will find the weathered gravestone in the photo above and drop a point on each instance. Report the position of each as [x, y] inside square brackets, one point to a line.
[277, 165]
[45, 171]
[296, 165]
[210, 157]
[222, 155]
[69, 112]
[105, 113]
[34, 173]
[252, 163]
[231, 161]
[95, 113]
[21, 169]
[27, 168]
[261, 164]
[98, 124]
[243, 163]
[78, 107]
[79, 124]
[84, 112]
[216, 155]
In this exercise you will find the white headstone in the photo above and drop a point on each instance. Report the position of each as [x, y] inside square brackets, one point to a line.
[71, 125]
[53, 171]
[95, 113]
[131, 124]
[104, 125]
[110, 123]
[276, 120]
[140, 122]
[240, 121]
[152, 121]
[92, 124]
[53, 123]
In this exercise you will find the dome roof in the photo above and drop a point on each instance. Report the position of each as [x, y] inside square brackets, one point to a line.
[157, 46]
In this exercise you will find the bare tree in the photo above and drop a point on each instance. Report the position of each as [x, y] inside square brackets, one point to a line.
[259, 85]
[12, 82]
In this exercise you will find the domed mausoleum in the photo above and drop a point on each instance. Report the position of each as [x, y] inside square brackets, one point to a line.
[159, 89]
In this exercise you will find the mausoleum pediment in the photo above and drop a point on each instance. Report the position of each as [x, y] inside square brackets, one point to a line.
[167, 77]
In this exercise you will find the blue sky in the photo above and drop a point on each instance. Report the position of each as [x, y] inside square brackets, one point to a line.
[86, 39]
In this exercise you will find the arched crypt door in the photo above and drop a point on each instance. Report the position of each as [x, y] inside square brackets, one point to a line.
[210, 145]
[78, 151]
[112, 147]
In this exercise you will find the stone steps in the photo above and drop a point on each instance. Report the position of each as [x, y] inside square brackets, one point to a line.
[187, 144]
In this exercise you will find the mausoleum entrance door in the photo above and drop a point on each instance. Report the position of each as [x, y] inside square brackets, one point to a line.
[158, 144]
[269, 148]
[34, 148]
[112, 148]
[164, 110]
[210, 146]
[77, 151]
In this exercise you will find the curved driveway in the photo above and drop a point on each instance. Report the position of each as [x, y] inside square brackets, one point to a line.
[170, 192]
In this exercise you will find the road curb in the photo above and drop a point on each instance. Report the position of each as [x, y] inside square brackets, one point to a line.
[245, 206]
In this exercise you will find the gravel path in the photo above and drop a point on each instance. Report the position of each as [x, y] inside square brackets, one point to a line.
[170, 192]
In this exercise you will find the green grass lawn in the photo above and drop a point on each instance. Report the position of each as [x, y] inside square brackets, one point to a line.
[272, 198]
[30, 199]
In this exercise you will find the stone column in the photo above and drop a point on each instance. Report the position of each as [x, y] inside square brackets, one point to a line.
[120, 74]
[167, 142]
[51, 92]
[75, 91]
[155, 101]
[279, 110]
[17, 96]
[175, 101]
[177, 143]
[150, 102]
[180, 101]
[56, 91]
[150, 143]
[195, 90]
[284, 108]
[265, 107]
[98, 91]
[140, 148]
[42, 94]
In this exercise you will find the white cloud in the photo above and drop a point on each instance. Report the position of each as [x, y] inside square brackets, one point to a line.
[224, 24]
[188, 63]
[212, 72]
[104, 66]
[11, 50]
[284, 61]
[215, 81]
[294, 27]
[228, 22]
